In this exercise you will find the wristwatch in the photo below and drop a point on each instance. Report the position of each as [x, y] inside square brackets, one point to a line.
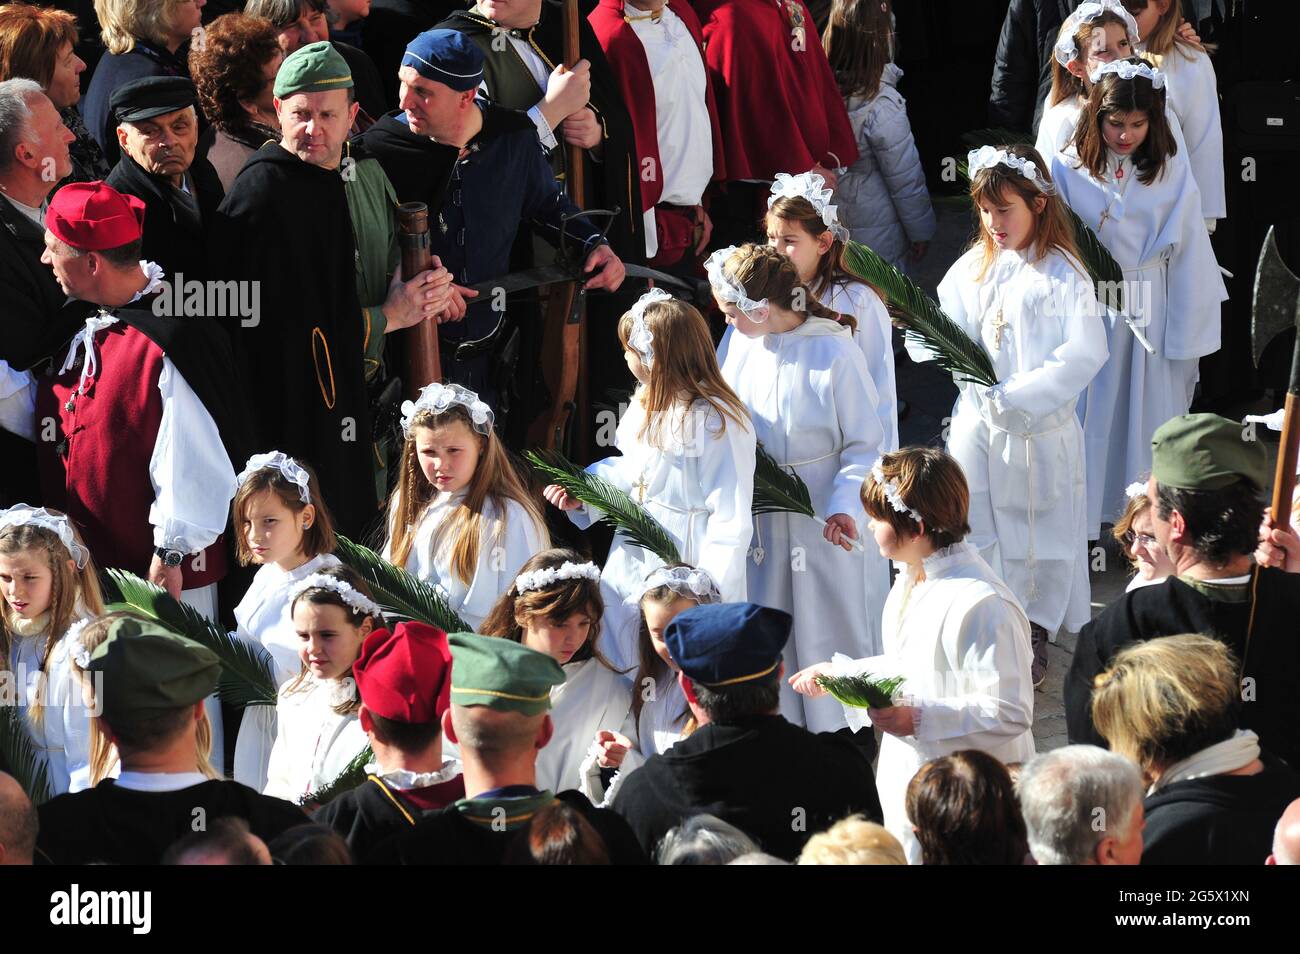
[169, 557]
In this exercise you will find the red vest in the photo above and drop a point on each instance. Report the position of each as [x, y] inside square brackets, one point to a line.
[95, 465]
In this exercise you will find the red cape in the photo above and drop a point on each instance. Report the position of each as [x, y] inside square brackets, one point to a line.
[627, 59]
[779, 108]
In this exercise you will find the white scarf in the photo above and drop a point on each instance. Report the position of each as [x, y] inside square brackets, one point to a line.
[1219, 759]
[98, 322]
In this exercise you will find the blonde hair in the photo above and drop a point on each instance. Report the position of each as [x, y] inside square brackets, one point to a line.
[1064, 83]
[123, 22]
[685, 370]
[1135, 507]
[495, 479]
[73, 592]
[853, 841]
[763, 272]
[1165, 38]
[931, 483]
[1165, 699]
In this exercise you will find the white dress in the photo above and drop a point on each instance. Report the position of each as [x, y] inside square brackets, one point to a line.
[313, 743]
[659, 726]
[263, 619]
[961, 641]
[700, 487]
[875, 337]
[814, 410]
[1194, 98]
[1056, 128]
[592, 697]
[504, 547]
[1022, 451]
[1173, 290]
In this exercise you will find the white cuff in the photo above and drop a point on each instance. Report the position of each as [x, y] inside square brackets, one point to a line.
[544, 131]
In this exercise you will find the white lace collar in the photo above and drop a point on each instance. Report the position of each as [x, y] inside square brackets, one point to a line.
[941, 562]
[405, 781]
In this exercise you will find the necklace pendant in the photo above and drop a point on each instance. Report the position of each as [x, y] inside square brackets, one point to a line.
[1119, 173]
[69, 405]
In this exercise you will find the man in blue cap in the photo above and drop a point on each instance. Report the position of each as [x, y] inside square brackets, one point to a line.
[746, 764]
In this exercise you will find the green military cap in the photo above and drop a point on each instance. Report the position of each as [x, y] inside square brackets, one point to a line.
[501, 674]
[1206, 452]
[314, 68]
[148, 670]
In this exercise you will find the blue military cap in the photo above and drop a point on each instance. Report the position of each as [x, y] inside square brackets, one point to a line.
[446, 56]
[722, 644]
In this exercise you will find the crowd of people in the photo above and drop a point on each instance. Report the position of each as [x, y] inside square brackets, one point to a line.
[207, 333]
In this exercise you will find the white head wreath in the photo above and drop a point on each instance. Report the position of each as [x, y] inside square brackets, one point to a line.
[1136, 489]
[439, 397]
[890, 488]
[1126, 71]
[548, 576]
[359, 602]
[641, 340]
[77, 650]
[25, 515]
[688, 581]
[1065, 49]
[810, 186]
[289, 469]
[730, 290]
[986, 157]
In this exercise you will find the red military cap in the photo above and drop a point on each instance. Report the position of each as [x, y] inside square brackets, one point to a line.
[93, 216]
[405, 675]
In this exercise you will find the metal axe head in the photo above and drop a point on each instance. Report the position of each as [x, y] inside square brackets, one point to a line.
[1276, 304]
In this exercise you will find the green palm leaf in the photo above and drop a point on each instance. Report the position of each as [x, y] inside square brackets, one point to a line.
[863, 691]
[922, 319]
[1009, 137]
[398, 591]
[616, 507]
[19, 757]
[247, 671]
[777, 489]
[348, 779]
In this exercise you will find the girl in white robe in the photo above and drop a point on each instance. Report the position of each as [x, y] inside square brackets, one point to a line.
[318, 733]
[1122, 178]
[460, 517]
[686, 455]
[282, 523]
[554, 606]
[952, 630]
[48, 583]
[814, 410]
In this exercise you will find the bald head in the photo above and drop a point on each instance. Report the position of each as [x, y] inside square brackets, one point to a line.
[1286, 837]
[18, 823]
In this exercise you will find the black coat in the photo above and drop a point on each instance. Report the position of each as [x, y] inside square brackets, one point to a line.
[1172, 608]
[372, 812]
[1022, 67]
[114, 70]
[367, 83]
[777, 782]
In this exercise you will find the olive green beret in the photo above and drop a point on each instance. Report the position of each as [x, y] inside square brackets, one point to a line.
[501, 674]
[143, 669]
[1206, 452]
[314, 68]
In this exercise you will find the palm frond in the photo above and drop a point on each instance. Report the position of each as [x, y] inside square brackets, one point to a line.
[398, 591]
[922, 319]
[247, 670]
[862, 691]
[19, 757]
[777, 489]
[1000, 136]
[616, 507]
[348, 779]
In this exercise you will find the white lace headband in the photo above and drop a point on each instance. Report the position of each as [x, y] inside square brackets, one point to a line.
[1066, 50]
[289, 469]
[359, 602]
[439, 397]
[77, 650]
[641, 340]
[1136, 489]
[25, 515]
[1126, 71]
[986, 157]
[730, 290]
[688, 581]
[548, 576]
[890, 488]
[810, 186]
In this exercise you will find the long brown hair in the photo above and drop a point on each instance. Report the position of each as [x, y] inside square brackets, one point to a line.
[1053, 229]
[495, 479]
[685, 369]
[1165, 38]
[857, 41]
[1064, 83]
[763, 272]
[1110, 95]
[317, 539]
[324, 596]
[649, 665]
[830, 267]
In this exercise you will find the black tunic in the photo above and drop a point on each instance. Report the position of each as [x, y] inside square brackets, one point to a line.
[285, 224]
[373, 811]
[775, 781]
[1172, 608]
[108, 824]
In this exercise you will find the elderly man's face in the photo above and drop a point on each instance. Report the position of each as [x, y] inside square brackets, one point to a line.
[1129, 850]
[48, 140]
[432, 109]
[164, 145]
[514, 14]
[314, 126]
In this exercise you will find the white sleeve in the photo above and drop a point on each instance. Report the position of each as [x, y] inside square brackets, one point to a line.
[193, 480]
[727, 476]
[855, 411]
[17, 402]
[278, 766]
[1195, 101]
[544, 131]
[499, 561]
[877, 344]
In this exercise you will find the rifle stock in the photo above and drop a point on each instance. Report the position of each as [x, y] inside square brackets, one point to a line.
[423, 356]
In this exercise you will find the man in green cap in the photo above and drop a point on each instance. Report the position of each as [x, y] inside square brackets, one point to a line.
[148, 688]
[1207, 490]
[499, 717]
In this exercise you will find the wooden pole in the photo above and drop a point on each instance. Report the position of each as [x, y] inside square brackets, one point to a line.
[423, 356]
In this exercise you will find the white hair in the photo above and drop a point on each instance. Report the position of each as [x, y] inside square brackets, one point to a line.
[704, 839]
[1074, 797]
[15, 116]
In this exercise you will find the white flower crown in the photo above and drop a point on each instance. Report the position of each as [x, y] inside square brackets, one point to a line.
[986, 157]
[77, 650]
[289, 469]
[359, 602]
[25, 515]
[439, 397]
[548, 576]
[1126, 71]
[810, 186]
[641, 340]
[730, 290]
[688, 581]
[890, 488]
[1065, 49]
[1136, 489]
